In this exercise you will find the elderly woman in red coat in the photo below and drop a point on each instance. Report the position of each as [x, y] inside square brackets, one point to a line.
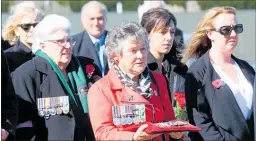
[130, 93]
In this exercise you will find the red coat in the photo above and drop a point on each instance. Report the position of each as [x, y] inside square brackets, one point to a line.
[109, 91]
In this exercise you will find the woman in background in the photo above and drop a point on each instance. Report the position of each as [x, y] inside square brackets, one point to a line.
[219, 86]
[163, 58]
[18, 32]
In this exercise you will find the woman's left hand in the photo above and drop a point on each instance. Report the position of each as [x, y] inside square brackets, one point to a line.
[176, 135]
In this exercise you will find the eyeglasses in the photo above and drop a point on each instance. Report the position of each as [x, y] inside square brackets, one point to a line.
[226, 30]
[63, 42]
[26, 27]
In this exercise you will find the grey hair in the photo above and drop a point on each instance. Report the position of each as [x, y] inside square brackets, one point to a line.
[101, 5]
[120, 33]
[47, 28]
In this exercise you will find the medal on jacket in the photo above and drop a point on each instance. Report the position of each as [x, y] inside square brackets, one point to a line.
[65, 104]
[47, 108]
[52, 106]
[114, 115]
[122, 115]
[129, 114]
[40, 107]
[140, 115]
[59, 105]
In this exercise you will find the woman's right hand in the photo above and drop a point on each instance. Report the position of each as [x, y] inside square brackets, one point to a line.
[141, 135]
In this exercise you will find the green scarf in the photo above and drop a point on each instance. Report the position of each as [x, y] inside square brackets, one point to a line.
[76, 78]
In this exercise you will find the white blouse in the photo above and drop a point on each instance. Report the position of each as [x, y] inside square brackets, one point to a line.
[242, 90]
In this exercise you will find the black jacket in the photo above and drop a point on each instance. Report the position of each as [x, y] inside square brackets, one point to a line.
[5, 44]
[9, 100]
[215, 110]
[36, 79]
[85, 48]
[17, 55]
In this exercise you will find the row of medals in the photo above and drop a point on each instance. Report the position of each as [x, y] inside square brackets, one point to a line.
[52, 106]
[128, 114]
[171, 123]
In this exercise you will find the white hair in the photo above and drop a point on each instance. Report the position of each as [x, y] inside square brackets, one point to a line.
[48, 27]
[149, 5]
[101, 5]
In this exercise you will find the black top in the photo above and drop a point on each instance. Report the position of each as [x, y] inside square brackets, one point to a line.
[36, 79]
[17, 55]
[215, 110]
[9, 100]
[4, 44]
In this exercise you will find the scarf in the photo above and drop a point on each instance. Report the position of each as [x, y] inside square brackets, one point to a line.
[142, 87]
[76, 77]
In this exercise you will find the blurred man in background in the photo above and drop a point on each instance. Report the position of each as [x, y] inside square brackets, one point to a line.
[90, 42]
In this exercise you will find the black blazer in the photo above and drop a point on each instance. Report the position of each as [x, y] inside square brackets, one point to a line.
[85, 48]
[9, 100]
[17, 55]
[215, 110]
[36, 79]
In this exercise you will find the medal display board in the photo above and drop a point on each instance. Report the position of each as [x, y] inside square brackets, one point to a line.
[170, 126]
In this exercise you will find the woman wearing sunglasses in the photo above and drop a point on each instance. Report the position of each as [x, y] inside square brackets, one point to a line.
[219, 86]
[52, 87]
[18, 32]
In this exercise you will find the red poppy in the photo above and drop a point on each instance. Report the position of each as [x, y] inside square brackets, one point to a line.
[217, 83]
[90, 69]
[180, 98]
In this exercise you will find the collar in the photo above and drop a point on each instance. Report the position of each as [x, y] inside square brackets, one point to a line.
[19, 46]
[101, 39]
[114, 82]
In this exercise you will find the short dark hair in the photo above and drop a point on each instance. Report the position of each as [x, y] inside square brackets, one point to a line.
[151, 17]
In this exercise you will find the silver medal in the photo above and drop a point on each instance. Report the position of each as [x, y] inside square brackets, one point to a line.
[40, 107]
[118, 115]
[59, 107]
[65, 105]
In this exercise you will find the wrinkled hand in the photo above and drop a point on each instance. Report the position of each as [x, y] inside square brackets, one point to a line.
[4, 135]
[176, 135]
[141, 135]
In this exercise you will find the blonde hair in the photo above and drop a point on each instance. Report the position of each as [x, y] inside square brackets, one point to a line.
[200, 43]
[16, 14]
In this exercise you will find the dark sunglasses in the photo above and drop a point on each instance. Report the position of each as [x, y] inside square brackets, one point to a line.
[226, 30]
[26, 27]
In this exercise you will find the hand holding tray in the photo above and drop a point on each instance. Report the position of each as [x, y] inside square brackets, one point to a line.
[162, 127]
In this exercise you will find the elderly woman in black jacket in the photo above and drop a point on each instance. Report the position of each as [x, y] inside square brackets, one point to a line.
[52, 87]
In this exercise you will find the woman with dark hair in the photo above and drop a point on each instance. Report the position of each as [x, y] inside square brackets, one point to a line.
[163, 57]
